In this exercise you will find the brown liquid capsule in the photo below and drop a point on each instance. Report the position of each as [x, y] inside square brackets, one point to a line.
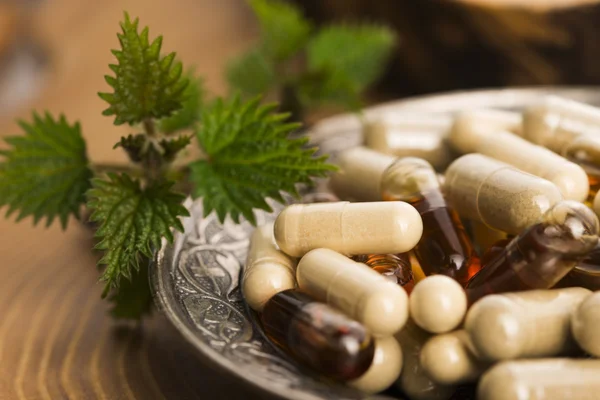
[444, 247]
[541, 255]
[586, 274]
[395, 267]
[318, 336]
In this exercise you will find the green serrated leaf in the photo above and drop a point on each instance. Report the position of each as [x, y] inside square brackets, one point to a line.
[134, 146]
[326, 87]
[45, 172]
[356, 53]
[250, 158]
[145, 84]
[132, 222]
[133, 299]
[284, 31]
[171, 147]
[190, 112]
[251, 74]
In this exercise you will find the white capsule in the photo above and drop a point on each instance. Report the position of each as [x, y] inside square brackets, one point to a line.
[585, 324]
[268, 271]
[438, 304]
[449, 359]
[359, 174]
[534, 323]
[355, 289]
[349, 228]
[548, 379]
[466, 121]
[385, 368]
[507, 147]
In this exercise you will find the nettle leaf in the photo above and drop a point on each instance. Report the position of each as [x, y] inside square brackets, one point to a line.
[250, 158]
[133, 298]
[145, 84]
[132, 222]
[356, 53]
[327, 87]
[134, 146]
[45, 172]
[251, 74]
[190, 112]
[171, 147]
[284, 31]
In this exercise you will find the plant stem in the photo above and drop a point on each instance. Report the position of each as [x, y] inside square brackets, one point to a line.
[108, 167]
[153, 161]
[149, 127]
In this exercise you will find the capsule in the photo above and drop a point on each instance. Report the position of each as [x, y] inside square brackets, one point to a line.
[502, 197]
[413, 380]
[407, 135]
[385, 368]
[550, 379]
[596, 204]
[359, 174]
[268, 271]
[318, 336]
[444, 247]
[540, 256]
[438, 304]
[507, 147]
[449, 359]
[586, 273]
[355, 289]
[395, 267]
[585, 324]
[348, 228]
[319, 197]
[498, 120]
[530, 324]
[485, 237]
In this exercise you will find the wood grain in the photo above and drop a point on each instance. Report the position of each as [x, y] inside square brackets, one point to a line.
[56, 340]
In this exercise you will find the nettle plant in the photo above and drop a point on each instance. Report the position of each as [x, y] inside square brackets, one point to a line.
[247, 156]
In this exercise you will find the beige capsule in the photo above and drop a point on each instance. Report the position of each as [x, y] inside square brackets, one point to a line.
[467, 121]
[548, 379]
[385, 368]
[438, 304]
[596, 204]
[449, 359]
[534, 323]
[507, 147]
[359, 174]
[268, 270]
[355, 289]
[413, 381]
[349, 228]
[585, 324]
[497, 194]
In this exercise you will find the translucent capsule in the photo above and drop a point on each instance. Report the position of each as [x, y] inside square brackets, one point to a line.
[444, 247]
[409, 135]
[267, 271]
[500, 196]
[318, 336]
[596, 204]
[541, 255]
[507, 147]
[449, 359]
[549, 379]
[349, 228]
[395, 267]
[413, 380]
[499, 120]
[359, 174]
[526, 324]
[585, 324]
[438, 304]
[586, 273]
[385, 368]
[485, 237]
[355, 289]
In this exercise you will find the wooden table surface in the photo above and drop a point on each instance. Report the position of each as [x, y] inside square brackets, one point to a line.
[56, 340]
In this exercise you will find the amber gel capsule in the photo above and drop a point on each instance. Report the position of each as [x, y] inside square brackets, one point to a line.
[541, 255]
[585, 274]
[444, 247]
[535, 323]
[549, 379]
[395, 267]
[497, 194]
[585, 324]
[349, 228]
[355, 289]
[318, 336]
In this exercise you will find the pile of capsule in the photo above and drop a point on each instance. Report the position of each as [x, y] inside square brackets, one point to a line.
[387, 288]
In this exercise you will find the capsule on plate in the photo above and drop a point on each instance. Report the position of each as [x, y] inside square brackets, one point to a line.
[549, 379]
[585, 325]
[395, 267]
[355, 289]
[318, 336]
[487, 118]
[385, 368]
[348, 228]
[497, 194]
[359, 174]
[585, 274]
[529, 324]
